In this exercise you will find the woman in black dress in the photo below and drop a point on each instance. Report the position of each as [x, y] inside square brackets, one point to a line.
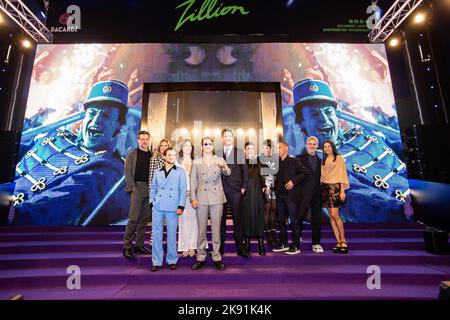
[253, 203]
[269, 168]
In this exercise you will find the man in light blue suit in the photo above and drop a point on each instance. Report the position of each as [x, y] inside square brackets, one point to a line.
[167, 198]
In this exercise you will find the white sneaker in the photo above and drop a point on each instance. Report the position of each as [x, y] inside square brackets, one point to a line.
[317, 248]
[293, 250]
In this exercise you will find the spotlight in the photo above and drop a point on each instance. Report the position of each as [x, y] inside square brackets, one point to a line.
[251, 131]
[26, 43]
[394, 42]
[419, 17]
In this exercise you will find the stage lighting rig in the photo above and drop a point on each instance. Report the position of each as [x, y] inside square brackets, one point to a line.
[26, 20]
[390, 21]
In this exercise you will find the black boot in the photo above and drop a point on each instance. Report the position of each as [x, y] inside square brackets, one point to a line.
[128, 253]
[241, 248]
[268, 237]
[248, 246]
[262, 250]
[273, 234]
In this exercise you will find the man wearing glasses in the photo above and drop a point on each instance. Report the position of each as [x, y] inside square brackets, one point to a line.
[208, 197]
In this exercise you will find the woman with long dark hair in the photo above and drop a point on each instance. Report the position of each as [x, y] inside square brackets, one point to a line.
[187, 222]
[253, 202]
[334, 181]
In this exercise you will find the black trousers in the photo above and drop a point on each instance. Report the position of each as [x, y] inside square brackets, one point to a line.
[288, 208]
[313, 202]
[234, 200]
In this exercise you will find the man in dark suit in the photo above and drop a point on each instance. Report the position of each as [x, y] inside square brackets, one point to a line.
[234, 187]
[311, 191]
[289, 193]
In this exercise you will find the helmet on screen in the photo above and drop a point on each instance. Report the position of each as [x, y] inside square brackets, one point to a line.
[310, 90]
[111, 93]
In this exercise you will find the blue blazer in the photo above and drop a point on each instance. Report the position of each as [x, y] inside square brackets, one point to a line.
[169, 193]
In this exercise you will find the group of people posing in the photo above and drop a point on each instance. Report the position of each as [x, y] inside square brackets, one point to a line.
[262, 193]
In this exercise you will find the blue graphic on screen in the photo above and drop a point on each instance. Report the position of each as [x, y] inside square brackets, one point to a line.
[84, 111]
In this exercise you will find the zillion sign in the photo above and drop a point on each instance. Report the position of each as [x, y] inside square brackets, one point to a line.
[208, 10]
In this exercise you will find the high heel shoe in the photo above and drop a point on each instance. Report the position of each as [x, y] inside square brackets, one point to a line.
[261, 249]
[191, 253]
[184, 254]
[337, 248]
[344, 249]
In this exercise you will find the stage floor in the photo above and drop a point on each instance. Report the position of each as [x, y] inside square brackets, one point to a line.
[33, 263]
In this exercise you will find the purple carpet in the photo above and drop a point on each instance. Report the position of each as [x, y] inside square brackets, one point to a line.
[33, 263]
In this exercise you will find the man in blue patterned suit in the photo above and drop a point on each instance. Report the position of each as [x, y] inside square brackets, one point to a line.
[63, 176]
[379, 186]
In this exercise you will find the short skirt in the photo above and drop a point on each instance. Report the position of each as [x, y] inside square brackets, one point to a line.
[330, 195]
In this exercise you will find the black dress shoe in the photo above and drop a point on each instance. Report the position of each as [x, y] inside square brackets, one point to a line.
[243, 253]
[198, 265]
[172, 266]
[127, 253]
[143, 249]
[155, 268]
[219, 265]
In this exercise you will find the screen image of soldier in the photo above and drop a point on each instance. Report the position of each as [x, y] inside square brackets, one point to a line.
[63, 176]
[380, 187]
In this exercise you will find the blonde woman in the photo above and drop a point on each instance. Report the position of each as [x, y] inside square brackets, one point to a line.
[157, 162]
